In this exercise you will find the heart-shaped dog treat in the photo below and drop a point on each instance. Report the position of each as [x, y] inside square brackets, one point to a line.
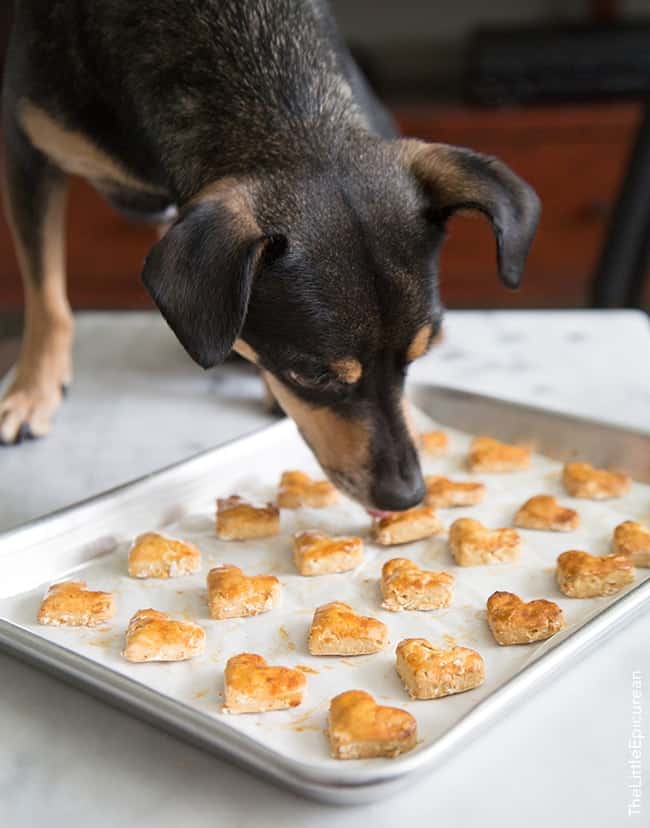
[298, 489]
[434, 443]
[581, 575]
[443, 493]
[359, 728]
[254, 687]
[154, 636]
[405, 527]
[153, 555]
[314, 553]
[429, 672]
[632, 539]
[232, 594]
[489, 455]
[513, 621]
[72, 604]
[583, 480]
[338, 630]
[405, 586]
[472, 544]
[544, 512]
[237, 519]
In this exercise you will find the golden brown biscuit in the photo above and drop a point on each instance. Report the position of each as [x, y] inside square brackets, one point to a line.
[443, 493]
[405, 586]
[237, 519]
[153, 555]
[154, 636]
[338, 630]
[583, 480]
[581, 575]
[513, 621]
[232, 594]
[632, 539]
[314, 553]
[472, 544]
[359, 728]
[298, 489]
[72, 604]
[489, 455]
[434, 443]
[544, 512]
[254, 687]
[404, 527]
[429, 672]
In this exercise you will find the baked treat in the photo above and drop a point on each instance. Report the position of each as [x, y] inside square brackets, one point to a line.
[298, 489]
[443, 493]
[237, 519]
[359, 728]
[430, 672]
[232, 594]
[489, 455]
[154, 636]
[338, 630]
[583, 480]
[72, 604]
[315, 553]
[632, 539]
[254, 687]
[544, 512]
[434, 443]
[472, 544]
[513, 621]
[581, 575]
[404, 527]
[405, 586]
[153, 555]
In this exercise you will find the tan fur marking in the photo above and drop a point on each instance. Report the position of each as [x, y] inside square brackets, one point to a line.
[419, 344]
[44, 364]
[435, 163]
[340, 445]
[244, 350]
[73, 151]
[347, 369]
[237, 195]
[410, 422]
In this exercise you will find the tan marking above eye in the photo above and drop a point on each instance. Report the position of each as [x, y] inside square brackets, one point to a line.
[420, 343]
[347, 369]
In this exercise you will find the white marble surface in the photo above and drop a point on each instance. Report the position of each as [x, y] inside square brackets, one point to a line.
[561, 759]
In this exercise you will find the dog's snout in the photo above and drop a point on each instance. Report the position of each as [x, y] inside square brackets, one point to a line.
[400, 489]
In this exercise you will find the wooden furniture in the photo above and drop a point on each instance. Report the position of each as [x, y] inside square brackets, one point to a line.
[574, 156]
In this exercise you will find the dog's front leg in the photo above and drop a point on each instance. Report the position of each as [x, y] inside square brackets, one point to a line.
[35, 194]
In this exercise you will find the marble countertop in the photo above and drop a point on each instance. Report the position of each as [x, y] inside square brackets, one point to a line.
[138, 404]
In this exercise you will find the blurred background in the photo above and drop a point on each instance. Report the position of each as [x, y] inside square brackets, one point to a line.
[556, 88]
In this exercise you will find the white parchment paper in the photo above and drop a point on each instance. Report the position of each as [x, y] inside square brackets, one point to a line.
[281, 635]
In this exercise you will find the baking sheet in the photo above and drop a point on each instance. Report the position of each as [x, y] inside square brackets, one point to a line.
[282, 634]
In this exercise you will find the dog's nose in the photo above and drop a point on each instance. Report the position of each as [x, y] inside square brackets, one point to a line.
[399, 491]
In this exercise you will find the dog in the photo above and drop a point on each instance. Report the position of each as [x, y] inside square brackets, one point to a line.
[305, 232]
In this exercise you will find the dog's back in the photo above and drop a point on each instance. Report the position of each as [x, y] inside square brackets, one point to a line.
[221, 85]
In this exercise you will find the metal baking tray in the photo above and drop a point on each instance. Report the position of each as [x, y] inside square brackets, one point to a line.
[51, 547]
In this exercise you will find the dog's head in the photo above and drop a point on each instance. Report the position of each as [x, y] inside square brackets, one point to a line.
[326, 277]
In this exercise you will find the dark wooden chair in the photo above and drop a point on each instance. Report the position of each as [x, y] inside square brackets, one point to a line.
[622, 272]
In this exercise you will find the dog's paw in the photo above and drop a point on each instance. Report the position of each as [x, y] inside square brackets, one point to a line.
[27, 409]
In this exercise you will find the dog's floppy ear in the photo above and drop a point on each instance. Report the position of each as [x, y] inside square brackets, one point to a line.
[456, 178]
[201, 272]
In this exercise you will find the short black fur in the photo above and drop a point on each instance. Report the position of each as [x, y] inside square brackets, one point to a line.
[321, 242]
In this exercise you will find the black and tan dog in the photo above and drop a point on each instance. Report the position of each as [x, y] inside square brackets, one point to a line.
[306, 234]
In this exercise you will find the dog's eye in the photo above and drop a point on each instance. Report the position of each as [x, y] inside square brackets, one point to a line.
[314, 382]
